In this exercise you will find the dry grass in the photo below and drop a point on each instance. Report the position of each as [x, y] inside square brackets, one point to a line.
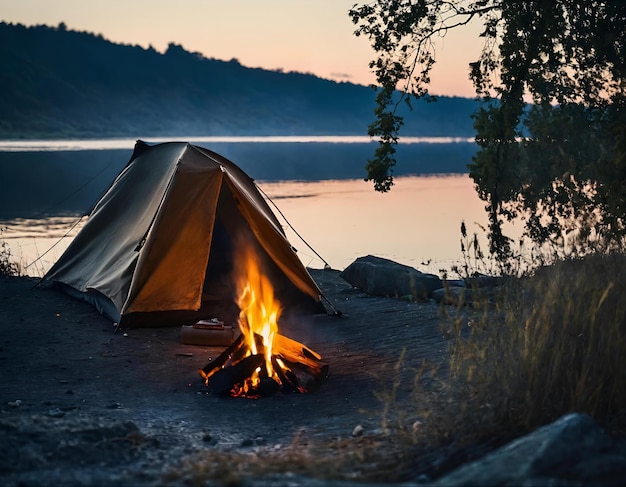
[554, 344]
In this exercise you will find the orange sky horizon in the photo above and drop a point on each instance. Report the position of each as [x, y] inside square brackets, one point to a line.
[307, 36]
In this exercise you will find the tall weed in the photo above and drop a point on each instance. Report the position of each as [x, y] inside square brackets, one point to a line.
[554, 344]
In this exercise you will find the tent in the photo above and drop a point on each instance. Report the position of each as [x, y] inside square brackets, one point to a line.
[158, 248]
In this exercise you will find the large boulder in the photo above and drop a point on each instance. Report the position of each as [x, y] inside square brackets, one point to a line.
[384, 277]
[573, 450]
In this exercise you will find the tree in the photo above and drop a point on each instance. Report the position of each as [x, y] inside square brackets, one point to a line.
[551, 128]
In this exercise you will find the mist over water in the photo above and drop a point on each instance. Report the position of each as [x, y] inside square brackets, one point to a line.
[111, 144]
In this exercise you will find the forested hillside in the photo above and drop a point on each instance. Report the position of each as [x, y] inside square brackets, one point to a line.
[56, 82]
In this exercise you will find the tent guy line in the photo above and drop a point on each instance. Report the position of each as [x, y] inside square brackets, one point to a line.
[326, 264]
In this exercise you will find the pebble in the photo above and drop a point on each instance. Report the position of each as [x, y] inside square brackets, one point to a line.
[55, 413]
[358, 430]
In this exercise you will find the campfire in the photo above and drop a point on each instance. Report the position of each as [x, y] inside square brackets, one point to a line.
[261, 361]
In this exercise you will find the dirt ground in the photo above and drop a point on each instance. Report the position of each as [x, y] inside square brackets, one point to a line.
[82, 405]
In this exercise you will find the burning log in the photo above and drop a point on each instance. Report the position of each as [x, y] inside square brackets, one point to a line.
[308, 379]
[220, 361]
[224, 379]
[296, 369]
[295, 352]
[287, 378]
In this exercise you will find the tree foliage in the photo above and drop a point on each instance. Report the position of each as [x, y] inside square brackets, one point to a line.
[551, 128]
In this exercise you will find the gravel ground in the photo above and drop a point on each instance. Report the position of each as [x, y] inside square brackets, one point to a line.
[82, 405]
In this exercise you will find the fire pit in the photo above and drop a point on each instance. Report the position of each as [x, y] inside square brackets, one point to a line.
[261, 362]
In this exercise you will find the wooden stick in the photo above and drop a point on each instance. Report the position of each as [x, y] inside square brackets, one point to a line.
[314, 365]
[295, 347]
[219, 362]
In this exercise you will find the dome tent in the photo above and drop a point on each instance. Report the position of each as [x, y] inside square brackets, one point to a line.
[158, 247]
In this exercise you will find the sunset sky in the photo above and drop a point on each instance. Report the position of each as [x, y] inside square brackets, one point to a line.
[314, 36]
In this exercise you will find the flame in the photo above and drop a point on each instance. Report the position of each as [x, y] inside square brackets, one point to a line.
[261, 361]
[258, 318]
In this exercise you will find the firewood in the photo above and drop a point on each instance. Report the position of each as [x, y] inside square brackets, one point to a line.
[224, 380]
[287, 379]
[307, 378]
[303, 369]
[291, 350]
[219, 362]
[314, 365]
[295, 348]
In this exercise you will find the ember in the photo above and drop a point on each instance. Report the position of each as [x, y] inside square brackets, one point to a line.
[261, 362]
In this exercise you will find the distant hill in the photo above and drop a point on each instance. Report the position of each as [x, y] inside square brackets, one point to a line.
[57, 83]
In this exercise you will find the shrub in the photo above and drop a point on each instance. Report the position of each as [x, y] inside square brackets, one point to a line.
[7, 266]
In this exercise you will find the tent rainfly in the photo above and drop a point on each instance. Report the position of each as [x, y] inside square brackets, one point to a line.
[158, 248]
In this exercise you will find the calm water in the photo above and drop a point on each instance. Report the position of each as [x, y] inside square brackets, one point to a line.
[417, 223]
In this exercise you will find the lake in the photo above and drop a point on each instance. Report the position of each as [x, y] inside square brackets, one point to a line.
[315, 182]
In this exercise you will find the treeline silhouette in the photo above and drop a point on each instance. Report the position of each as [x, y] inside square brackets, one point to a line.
[57, 83]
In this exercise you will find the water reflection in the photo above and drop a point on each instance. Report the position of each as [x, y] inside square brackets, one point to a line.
[417, 223]
[48, 183]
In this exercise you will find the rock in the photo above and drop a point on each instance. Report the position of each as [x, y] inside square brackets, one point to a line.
[477, 289]
[384, 277]
[482, 280]
[358, 430]
[453, 295]
[573, 450]
[455, 282]
[56, 413]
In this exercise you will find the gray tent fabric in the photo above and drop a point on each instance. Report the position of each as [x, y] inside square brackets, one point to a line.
[158, 247]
